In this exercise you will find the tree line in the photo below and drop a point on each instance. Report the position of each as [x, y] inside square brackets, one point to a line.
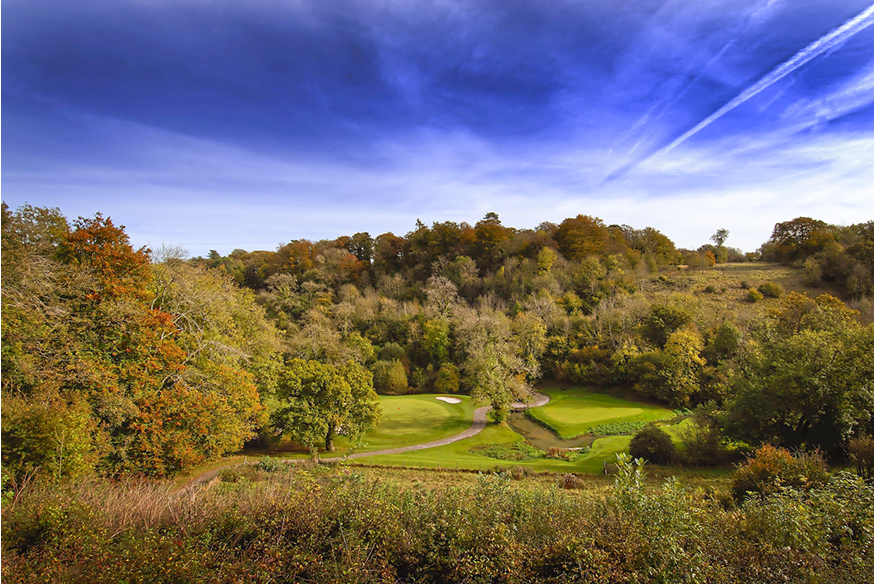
[125, 360]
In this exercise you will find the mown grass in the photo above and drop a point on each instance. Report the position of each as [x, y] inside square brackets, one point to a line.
[574, 411]
[413, 419]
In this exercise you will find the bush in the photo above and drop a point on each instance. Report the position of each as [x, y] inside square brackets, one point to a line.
[518, 452]
[571, 481]
[702, 443]
[652, 444]
[771, 289]
[520, 472]
[771, 468]
[269, 464]
[754, 295]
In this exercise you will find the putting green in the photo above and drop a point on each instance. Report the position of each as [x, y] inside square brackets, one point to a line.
[414, 419]
[572, 412]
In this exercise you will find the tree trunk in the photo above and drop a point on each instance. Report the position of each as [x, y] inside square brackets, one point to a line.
[330, 440]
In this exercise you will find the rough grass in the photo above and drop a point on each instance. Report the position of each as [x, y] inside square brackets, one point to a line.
[575, 411]
[335, 524]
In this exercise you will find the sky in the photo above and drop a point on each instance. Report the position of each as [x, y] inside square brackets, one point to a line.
[221, 125]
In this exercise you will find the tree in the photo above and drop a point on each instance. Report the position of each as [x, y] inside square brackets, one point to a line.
[582, 236]
[662, 321]
[770, 469]
[804, 377]
[447, 380]
[797, 239]
[493, 369]
[652, 444]
[319, 400]
[671, 375]
[720, 237]
[390, 377]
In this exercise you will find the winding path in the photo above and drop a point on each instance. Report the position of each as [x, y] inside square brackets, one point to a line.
[479, 422]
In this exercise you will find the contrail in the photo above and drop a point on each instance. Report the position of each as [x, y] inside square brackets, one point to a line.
[828, 41]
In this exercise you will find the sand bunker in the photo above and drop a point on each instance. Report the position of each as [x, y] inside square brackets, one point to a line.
[450, 400]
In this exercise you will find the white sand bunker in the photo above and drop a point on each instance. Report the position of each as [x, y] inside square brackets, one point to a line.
[450, 400]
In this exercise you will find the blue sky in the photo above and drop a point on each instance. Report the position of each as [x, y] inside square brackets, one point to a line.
[225, 124]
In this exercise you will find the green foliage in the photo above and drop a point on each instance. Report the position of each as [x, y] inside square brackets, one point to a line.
[447, 380]
[701, 440]
[806, 376]
[771, 469]
[392, 352]
[662, 321]
[673, 374]
[725, 342]
[653, 445]
[49, 433]
[268, 464]
[318, 400]
[390, 377]
[518, 452]
[436, 340]
[332, 525]
[617, 428]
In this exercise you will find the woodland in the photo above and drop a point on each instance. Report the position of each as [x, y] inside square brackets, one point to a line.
[123, 366]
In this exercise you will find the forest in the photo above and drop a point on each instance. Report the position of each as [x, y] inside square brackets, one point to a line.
[123, 363]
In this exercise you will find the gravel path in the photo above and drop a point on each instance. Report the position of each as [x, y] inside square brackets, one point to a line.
[479, 422]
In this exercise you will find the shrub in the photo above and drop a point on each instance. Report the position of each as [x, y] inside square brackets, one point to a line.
[269, 464]
[771, 289]
[520, 472]
[652, 444]
[662, 321]
[753, 295]
[710, 289]
[702, 443]
[518, 452]
[771, 468]
[571, 481]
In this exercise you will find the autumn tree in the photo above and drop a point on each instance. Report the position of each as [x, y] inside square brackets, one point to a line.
[582, 236]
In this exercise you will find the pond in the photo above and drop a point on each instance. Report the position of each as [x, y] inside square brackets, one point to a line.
[541, 437]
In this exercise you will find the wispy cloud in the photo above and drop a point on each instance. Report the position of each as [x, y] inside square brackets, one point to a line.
[825, 43]
[223, 124]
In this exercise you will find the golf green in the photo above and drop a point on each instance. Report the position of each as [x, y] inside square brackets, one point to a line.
[573, 411]
[414, 419]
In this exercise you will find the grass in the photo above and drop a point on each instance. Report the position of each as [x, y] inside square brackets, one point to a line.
[414, 419]
[464, 454]
[574, 411]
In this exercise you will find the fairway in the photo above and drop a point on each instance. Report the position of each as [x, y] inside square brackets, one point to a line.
[573, 412]
[414, 419]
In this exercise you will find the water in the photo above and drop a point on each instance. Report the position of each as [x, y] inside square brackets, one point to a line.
[541, 437]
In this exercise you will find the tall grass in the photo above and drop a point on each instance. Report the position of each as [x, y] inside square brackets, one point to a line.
[317, 524]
